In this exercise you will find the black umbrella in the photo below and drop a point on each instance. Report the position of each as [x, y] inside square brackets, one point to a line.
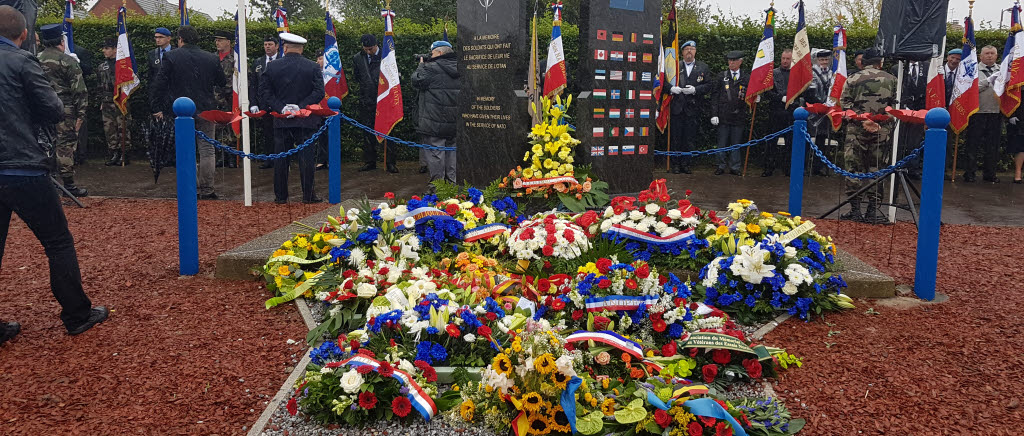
[161, 145]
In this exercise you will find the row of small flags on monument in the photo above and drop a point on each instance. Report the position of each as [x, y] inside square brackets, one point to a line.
[614, 132]
[622, 56]
[601, 74]
[616, 94]
[615, 150]
[614, 113]
[602, 35]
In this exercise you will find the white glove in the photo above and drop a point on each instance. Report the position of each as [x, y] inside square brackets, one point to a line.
[689, 90]
[676, 90]
[993, 78]
[254, 109]
[75, 56]
[291, 110]
[757, 99]
[783, 98]
[1013, 121]
[714, 121]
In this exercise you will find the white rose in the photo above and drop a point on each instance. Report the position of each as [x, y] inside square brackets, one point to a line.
[636, 215]
[401, 209]
[652, 208]
[789, 288]
[351, 381]
[605, 225]
[608, 212]
[469, 337]
[383, 207]
[406, 366]
[366, 290]
[674, 214]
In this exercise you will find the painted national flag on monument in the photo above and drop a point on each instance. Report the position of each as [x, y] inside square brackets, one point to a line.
[616, 75]
[554, 74]
[1011, 67]
[613, 150]
[389, 91]
[801, 73]
[648, 38]
[617, 36]
[616, 56]
[614, 113]
[616, 94]
[335, 84]
[965, 99]
[600, 94]
[600, 74]
[602, 35]
[631, 57]
[629, 131]
[599, 132]
[645, 95]
[600, 55]
[598, 112]
[761, 78]
[628, 149]
[125, 78]
[668, 69]
[69, 39]
[642, 148]
[630, 113]
[596, 151]
[838, 66]
[645, 113]
[183, 13]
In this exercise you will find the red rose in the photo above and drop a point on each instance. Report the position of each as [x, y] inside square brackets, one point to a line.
[569, 235]
[293, 406]
[587, 219]
[569, 347]
[558, 304]
[695, 429]
[603, 264]
[452, 330]
[367, 400]
[709, 371]
[688, 192]
[385, 369]
[662, 418]
[669, 349]
[722, 429]
[491, 316]
[644, 271]
[663, 211]
[547, 250]
[577, 314]
[631, 284]
[544, 285]
[721, 357]
[753, 368]
[401, 406]
[659, 325]
[484, 331]
[604, 283]
[693, 352]
[452, 209]
[389, 195]
[601, 323]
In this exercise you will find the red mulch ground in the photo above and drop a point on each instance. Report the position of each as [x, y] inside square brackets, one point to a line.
[177, 356]
[950, 368]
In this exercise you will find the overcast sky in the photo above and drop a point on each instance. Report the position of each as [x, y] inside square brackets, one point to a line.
[984, 10]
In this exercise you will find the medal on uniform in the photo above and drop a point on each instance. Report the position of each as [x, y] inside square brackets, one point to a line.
[156, 61]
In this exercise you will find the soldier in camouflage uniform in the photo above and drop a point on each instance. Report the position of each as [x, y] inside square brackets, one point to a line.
[225, 101]
[66, 78]
[114, 122]
[869, 90]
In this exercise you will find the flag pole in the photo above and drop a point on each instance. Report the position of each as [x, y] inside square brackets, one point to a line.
[750, 136]
[956, 137]
[243, 102]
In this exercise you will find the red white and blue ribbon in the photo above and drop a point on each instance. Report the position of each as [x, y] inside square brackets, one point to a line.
[608, 337]
[485, 232]
[619, 230]
[419, 399]
[618, 302]
[421, 215]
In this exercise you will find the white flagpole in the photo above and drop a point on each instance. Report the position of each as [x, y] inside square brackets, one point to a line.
[243, 101]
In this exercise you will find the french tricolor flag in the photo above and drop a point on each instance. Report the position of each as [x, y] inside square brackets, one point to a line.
[1011, 68]
[761, 78]
[335, 84]
[554, 74]
[965, 99]
[125, 78]
[801, 73]
[389, 91]
[838, 65]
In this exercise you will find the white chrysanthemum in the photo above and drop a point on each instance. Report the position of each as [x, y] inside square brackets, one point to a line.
[749, 264]
[351, 381]
[712, 277]
[798, 274]
[357, 257]
[789, 288]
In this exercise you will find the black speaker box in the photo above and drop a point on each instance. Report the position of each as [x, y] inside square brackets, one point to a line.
[912, 29]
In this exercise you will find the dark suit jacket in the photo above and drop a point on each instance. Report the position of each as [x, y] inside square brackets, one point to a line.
[367, 75]
[259, 66]
[914, 88]
[727, 98]
[699, 78]
[188, 72]
[153, 67]
[296, 80]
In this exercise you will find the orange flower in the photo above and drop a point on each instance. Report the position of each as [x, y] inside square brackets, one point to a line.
[636, 372]
[579, 196]
[626, 358]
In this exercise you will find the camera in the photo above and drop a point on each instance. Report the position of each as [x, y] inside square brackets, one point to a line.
[421, 57]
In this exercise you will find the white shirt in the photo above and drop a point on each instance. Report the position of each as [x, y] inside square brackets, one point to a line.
[689, 67]
[735, 74]
[270, 58]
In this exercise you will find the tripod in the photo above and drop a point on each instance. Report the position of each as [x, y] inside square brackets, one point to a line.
[61, 188]
[909, 191]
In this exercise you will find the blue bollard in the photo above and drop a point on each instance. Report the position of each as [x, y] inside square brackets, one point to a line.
[926, 268]
[188, 214]
[334, 153]
[796, 163]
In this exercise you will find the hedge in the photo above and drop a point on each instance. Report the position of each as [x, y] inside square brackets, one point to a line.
[712, 42]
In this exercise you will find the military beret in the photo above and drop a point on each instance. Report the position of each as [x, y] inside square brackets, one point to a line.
[223, 34]
[872, 55]
[823, 53]
[955, 51]
[162, 31]
[733, 55]
[51, 31]
[368, 40]
[270, 38]
[437, 44]
[110, 42]
[689, 43]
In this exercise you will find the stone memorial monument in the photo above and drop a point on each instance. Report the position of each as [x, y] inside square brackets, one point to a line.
[494, 122]
[615, 112]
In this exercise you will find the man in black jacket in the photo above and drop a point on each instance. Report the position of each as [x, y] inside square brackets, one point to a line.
[265, 140]
[30, 103]
[688, 100]
[161, 131]
[193, 73]
[781, 116]
[290, 84]
[729, 111]
[366, 68]
[437, 79]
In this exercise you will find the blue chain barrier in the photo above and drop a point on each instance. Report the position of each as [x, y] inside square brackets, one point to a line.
[712, 151]
[275, 156]
[392, 138]
[864, 176]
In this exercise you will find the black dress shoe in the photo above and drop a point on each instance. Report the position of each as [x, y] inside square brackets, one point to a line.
[1018, 182]
[8, 331]
[115, 159]
[321, 166]
[313, 200]
[687, 170]
[734, 172]
[368, 167]
[210, 196]
[423, 169]
[766, 173]
[392, 169]
[719, 171]
[96, 316]
[281, 200]
[676, 170]
[993, 180]
[266, 165]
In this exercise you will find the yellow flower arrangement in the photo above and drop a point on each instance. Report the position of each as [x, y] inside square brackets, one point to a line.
[559, 379]
[532, 402]
[558, 421]
[466, 410]
[608, 407]
[502, 364]
[283, 270]
[545, 363]
[538, 424]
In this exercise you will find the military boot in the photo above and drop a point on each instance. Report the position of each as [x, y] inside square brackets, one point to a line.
[872, 216]
[77, 191]
[115, 159]
[854, 213]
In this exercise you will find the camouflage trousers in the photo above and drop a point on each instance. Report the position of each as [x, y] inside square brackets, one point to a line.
[863, 153]
[114, 124]
[66, 145]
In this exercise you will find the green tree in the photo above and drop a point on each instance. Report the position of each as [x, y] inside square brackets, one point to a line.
[298, 10]
[55, 8]
[418, 11]
[855, 14]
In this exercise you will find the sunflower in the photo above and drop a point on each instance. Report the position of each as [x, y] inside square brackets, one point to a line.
[558, 420]
[545, 363]
[283, 270]
[538, 424]
[559, 379]
[502, 364]
[608, 407]
[532, 402]
[466, 410]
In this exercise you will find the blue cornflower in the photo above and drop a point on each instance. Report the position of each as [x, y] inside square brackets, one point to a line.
[475, 195]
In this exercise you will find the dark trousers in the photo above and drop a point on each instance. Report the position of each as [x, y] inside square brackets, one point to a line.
[322, 155]
[821, 141]
[774, 155]
[911, 137]
[684, 136]
[729, 135]
[367, 115]
[983, 134]
[35, 201]
[286, 138]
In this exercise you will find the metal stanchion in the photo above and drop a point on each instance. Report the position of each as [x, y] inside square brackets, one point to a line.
[926, 266]
[188, 212]
[796, 164]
